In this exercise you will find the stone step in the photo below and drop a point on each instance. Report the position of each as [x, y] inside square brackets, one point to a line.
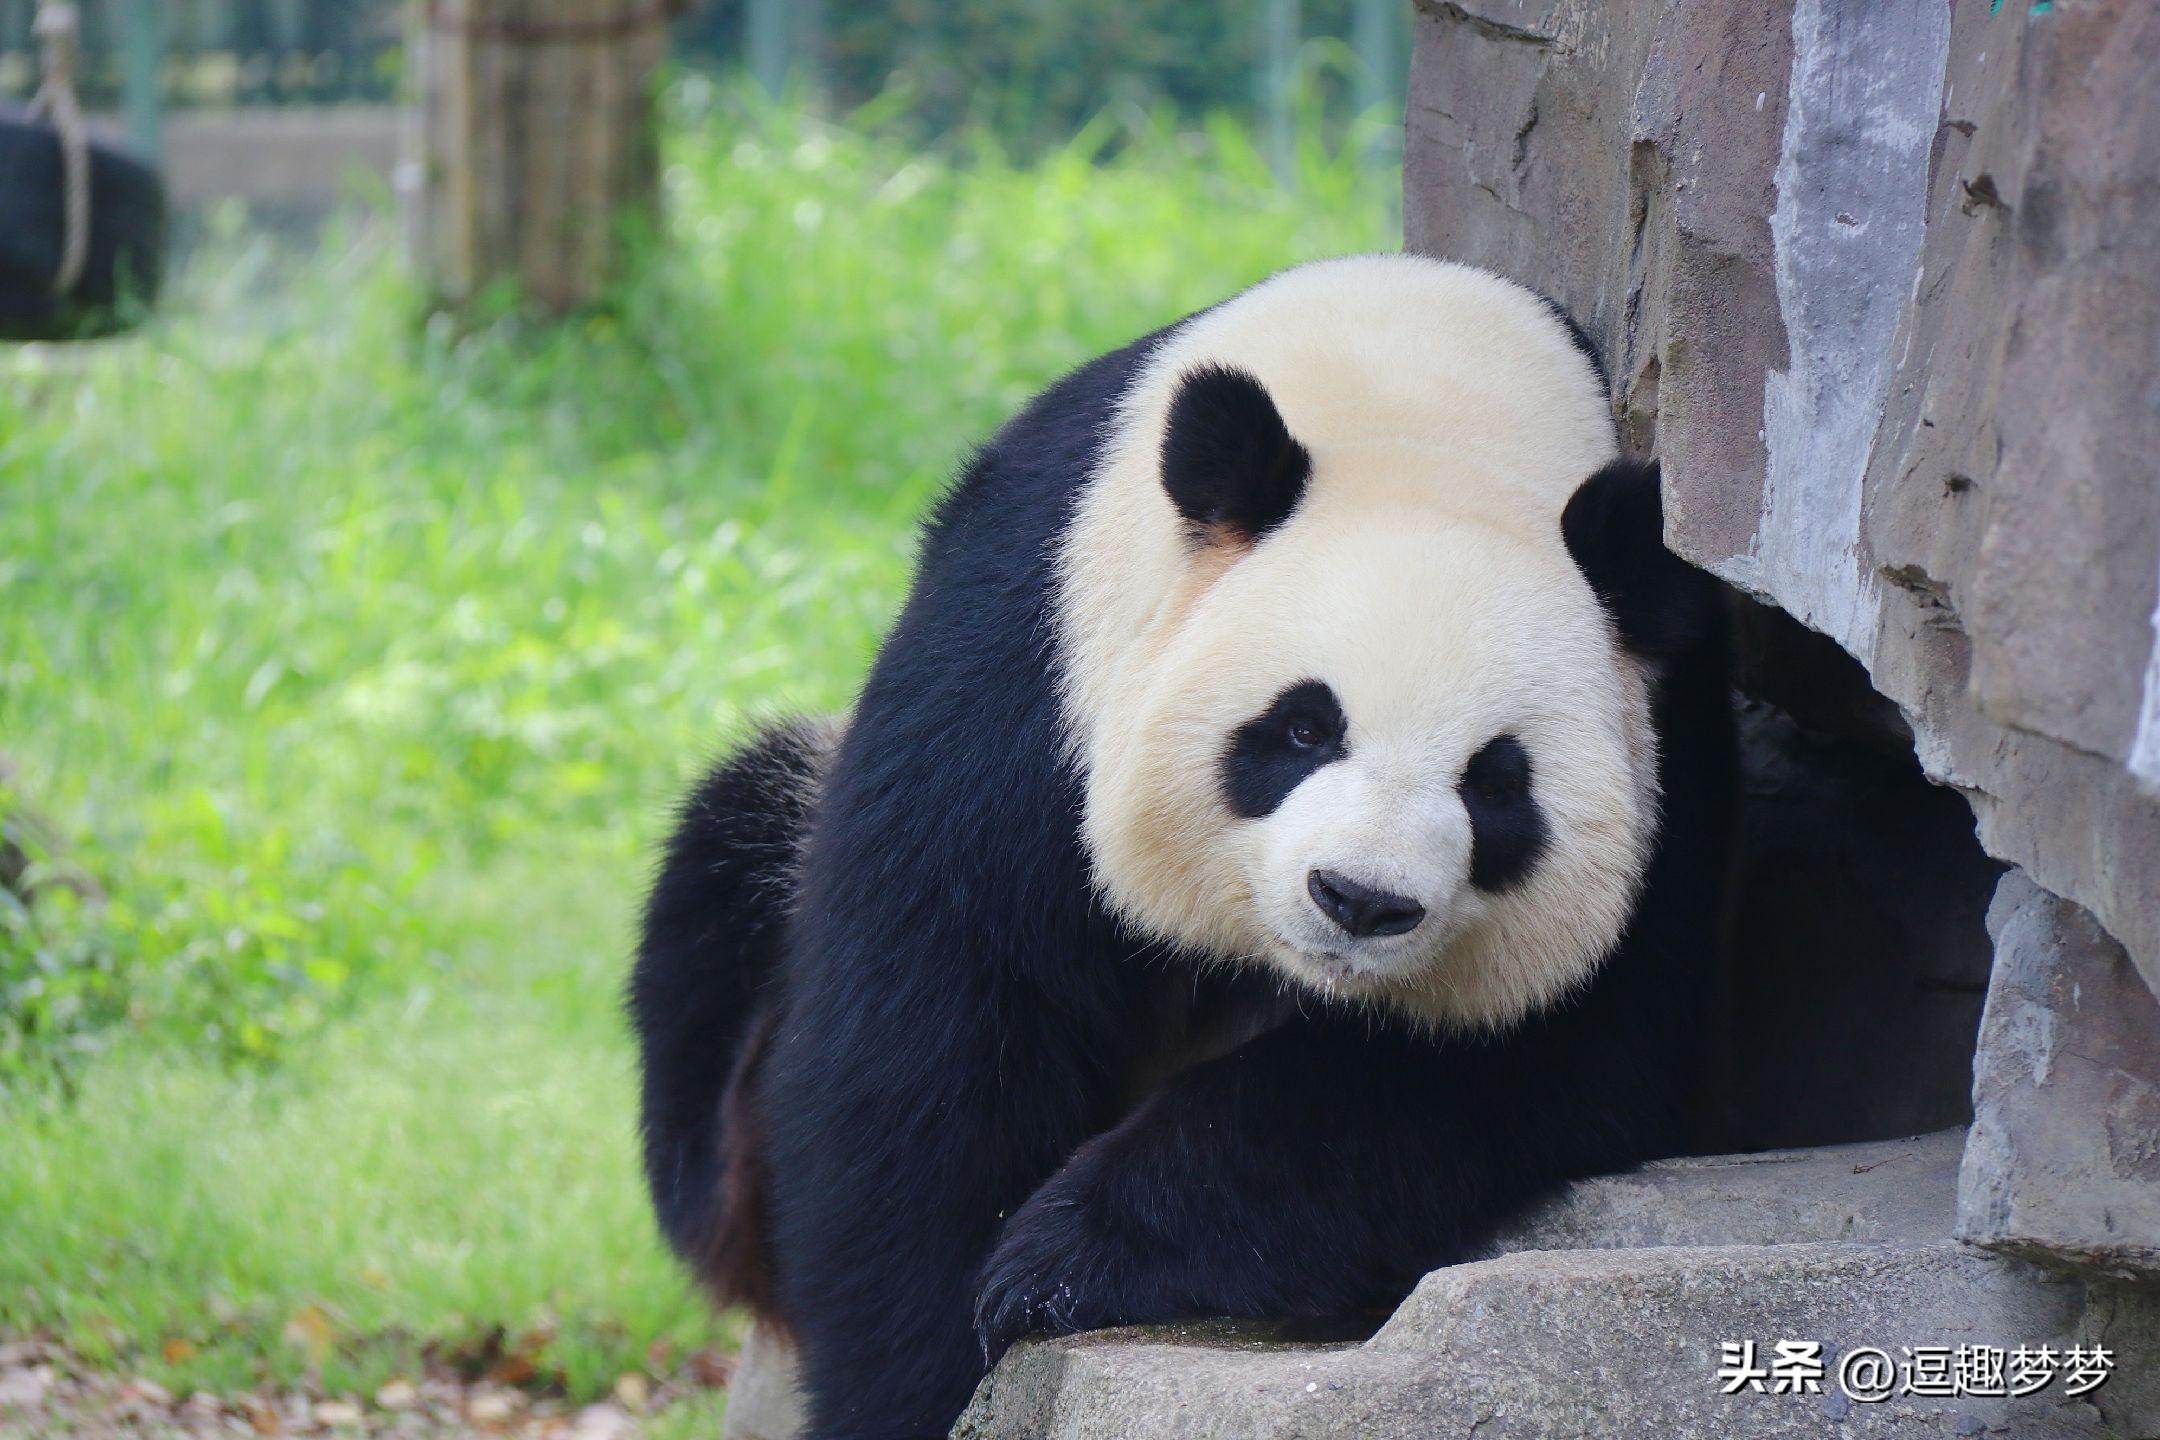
[1601, 1312]
[1544, 1345]
[1877, 1192]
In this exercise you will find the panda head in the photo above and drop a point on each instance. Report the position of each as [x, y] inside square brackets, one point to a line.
[1385, 725]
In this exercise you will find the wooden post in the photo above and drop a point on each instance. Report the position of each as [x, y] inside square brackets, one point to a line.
[536, 139]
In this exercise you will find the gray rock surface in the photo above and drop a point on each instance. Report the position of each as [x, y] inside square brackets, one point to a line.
[1883, 1192]
[1602, 1313]
[2064, 1157]
[1549, 1344]
[1880, 282]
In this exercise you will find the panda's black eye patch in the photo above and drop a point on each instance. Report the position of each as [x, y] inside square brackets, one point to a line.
[1270, 755]
[1507, 828]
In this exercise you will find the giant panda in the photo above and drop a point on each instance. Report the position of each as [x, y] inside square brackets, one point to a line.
[1278, 837]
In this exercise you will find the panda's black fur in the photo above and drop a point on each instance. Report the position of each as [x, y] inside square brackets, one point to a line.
[935, 1145]
[712, 942]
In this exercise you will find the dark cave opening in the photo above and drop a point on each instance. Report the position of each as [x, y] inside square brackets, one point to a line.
[1855, 957]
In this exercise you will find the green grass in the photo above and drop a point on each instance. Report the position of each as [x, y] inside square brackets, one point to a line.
[358, 658]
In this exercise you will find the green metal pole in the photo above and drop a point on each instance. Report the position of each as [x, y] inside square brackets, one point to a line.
[808, 38]
[1374, 35]
[1380, 37]
[1280, 24]
[765, 43]
[142, 71]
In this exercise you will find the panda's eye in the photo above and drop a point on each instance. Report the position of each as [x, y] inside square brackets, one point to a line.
[1276, 751]
[1499, 774]
[1496, 784]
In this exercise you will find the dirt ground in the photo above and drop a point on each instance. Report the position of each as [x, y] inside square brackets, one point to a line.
[46, 1394]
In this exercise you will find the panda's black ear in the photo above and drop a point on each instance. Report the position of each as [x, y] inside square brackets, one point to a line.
[1228, 461]
[1614, 526]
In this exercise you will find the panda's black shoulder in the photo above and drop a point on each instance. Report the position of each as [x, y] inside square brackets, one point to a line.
[1025, 476]
[968, 656]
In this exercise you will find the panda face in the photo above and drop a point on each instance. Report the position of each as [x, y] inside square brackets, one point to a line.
[1271, 757]
[1343, 702]
[1398, 758]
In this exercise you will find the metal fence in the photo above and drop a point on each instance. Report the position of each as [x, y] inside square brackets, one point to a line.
[220, 52]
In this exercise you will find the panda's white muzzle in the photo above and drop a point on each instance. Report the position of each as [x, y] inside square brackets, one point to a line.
[1365, 875]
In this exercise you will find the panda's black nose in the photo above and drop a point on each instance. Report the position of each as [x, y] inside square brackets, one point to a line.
[1360, 909]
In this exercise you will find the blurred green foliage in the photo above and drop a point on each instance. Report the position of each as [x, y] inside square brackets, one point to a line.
[1031, 73]
[296, 613]
[357, 660]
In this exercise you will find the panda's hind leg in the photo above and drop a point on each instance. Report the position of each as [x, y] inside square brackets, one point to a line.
[700, 999]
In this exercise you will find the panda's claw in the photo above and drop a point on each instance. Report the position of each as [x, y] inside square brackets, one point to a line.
[1002, 1318]
[1045, 1276]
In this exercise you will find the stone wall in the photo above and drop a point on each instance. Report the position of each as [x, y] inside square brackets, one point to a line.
[1879, 281]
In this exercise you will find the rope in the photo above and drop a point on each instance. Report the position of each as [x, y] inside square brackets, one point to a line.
[55, 98]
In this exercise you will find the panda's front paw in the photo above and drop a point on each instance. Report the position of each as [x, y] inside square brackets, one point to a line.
[1056, 1269]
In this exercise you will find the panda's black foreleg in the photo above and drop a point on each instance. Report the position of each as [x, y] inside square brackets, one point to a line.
[1318, 1171]
[894, 1167]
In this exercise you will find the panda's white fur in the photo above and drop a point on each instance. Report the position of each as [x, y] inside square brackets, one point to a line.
[1449, 417]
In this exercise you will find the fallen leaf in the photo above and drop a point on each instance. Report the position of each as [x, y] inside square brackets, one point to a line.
[472, 1355]
[513, 1370]
[311, 1330]
[337, 1413]
[178, 1351]
[603, 1422]
[712, 1368]
[146, 1389]
[397, 1395]
[491, 1407]
[25, 1387]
